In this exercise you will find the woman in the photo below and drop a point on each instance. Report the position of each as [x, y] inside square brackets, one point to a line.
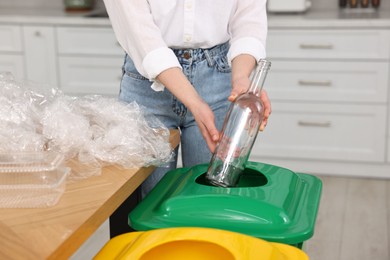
[185, 60]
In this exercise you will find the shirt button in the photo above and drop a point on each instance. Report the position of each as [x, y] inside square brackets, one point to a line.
[187, 38]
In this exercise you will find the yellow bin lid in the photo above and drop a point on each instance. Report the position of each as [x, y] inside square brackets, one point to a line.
[192, 243]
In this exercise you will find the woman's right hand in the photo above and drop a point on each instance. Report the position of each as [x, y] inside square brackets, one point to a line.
[178, 85]
[204, 117]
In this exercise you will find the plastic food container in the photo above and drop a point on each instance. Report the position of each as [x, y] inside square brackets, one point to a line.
[31, 180]
[30, 161]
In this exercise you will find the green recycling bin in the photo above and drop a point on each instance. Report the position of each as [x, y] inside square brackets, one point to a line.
[269, 202]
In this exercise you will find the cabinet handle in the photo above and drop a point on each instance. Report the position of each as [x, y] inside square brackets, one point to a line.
[325, 83]
[316, 46]
[314, 124]
[37, 34]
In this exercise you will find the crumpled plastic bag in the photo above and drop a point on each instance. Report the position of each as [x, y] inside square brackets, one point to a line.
[90, 131]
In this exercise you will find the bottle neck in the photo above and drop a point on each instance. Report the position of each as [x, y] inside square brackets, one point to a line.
[258, 77]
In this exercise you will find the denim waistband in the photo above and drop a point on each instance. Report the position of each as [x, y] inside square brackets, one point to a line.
[191, 55]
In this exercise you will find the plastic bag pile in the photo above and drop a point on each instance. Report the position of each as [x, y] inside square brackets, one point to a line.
[93, 130]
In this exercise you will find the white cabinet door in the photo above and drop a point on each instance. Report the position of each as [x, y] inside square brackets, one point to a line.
[90, 75]
[86, 40]
[40, 54]
[329, 44]
[11, 50]
[90, 60]
[328, 81]
[12, 63]
[388, 136]
[324, 132]
[10, 38]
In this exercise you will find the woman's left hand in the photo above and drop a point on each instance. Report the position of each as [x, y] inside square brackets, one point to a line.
[242, 66]
[240, 86]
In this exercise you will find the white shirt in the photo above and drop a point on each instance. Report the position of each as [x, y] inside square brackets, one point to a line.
[147, 29]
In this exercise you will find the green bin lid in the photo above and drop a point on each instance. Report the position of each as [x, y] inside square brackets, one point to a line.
[269, 202]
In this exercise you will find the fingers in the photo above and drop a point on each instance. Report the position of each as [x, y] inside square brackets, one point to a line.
[211, 138]
[267, 109]
[232, 97]
[204, 117]
[263, 125]
[210, 134]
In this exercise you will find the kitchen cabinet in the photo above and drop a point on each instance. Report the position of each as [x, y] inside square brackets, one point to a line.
[329, 92]
[28, 52]
[388, 139]
[329, 81]
[89, 60]
[334, 43]
[333, 132]
[77, 59]
[90, 75]
[40, 54]
[12, 63]
[11, 50]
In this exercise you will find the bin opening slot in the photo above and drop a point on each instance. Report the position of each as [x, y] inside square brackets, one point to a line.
[248, 178]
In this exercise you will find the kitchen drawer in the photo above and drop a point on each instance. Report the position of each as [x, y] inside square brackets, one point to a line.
[324, 132]
[328, 81]
[329, 44]
[12, 63]
[83, 40]
[10, 38]
[40, 54]
[90, 75]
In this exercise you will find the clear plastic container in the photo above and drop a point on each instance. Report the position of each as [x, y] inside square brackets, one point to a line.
[31, 180]
[30, 161]
[32, 189]
[239, 132]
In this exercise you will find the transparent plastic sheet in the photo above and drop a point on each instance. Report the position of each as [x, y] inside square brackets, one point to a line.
[90, 131]
[19, 129]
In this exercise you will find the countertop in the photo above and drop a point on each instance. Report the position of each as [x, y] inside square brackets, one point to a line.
[57, 232]
[336, 18]
[331, 19]
[53, 17]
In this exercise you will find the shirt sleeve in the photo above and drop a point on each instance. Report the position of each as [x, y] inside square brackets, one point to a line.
[248, 28]
[139, 36]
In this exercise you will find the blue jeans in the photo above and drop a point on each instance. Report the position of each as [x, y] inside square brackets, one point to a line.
[209, 72]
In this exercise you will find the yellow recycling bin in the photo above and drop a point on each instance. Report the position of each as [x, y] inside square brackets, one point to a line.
[192, 243]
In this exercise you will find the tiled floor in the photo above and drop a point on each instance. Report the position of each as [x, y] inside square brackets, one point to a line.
[353, 221]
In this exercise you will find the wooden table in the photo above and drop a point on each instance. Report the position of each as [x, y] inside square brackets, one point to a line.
[57, 232]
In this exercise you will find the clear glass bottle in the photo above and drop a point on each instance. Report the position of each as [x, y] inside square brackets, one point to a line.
[239, 132]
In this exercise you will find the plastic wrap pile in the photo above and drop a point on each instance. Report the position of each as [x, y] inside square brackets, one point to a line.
[92, 131]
